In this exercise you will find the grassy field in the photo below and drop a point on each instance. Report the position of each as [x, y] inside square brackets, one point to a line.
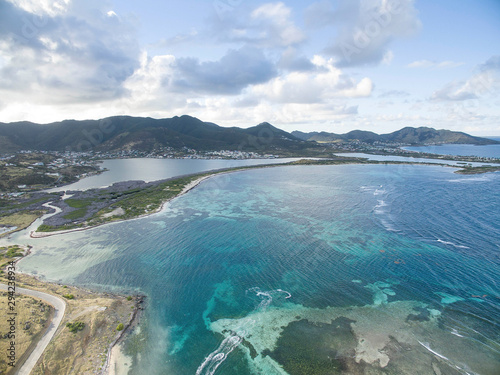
[83, 350]
[81, 206]
[96, 317]
[9, 252]
[20, 220]
[31, 321]
[133, 203]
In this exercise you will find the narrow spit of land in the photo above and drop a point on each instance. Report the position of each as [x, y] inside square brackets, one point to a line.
[88, 328]
[134, 199]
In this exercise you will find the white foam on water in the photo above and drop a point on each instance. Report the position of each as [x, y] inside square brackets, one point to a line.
[218, 356]
[452, 244]
[455, 332]
[284, 291]
[462, 368]
[427, 346]
[483, 178]
[388, 226]
[378, 209]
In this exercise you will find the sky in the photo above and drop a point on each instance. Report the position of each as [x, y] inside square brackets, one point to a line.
[328, 65]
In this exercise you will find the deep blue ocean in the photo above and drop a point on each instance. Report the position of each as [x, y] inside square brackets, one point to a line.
[350, 269]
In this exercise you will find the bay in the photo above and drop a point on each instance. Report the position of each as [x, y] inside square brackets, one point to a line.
[318, 267]
[487, 151]
[151, 169]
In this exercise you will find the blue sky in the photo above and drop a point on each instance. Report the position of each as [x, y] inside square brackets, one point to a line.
[328, 65]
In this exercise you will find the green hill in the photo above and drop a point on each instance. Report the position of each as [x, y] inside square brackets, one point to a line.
[121, 133]
[143, 134]
[408, 135]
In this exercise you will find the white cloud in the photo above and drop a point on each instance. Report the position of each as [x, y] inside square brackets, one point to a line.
[367, 28]
[316, 86]
[421, 64]
[236, 70]
[267, 26]
[388, 57]
[276, 16]
[70, 54]
[485, 81]
[43, 8]
[316, 95]
[433, 64]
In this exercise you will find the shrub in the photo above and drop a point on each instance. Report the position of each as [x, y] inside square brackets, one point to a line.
[69, 296]
[120, 327]
[75, 327]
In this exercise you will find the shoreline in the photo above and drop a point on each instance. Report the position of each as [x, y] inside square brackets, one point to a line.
[459, 170]
[85, 306]
[133, 321]
[187, 188]
[114, 350]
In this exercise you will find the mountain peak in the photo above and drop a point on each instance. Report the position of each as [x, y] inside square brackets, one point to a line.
[407, 135]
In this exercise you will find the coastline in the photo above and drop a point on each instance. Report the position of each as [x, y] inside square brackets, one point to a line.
[459, 170]
[87, 306]
[91, 305]
[113, 353]
[187, 188]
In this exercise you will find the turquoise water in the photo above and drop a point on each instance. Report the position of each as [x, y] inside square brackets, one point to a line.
[306, 270]
[489, 151]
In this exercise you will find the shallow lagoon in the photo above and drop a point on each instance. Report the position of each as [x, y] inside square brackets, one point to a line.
[150, 169]
[392, 268]
[488, 151]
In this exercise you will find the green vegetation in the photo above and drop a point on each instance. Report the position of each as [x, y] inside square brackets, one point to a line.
[28, 203]
[74, 215]
[78, 203]
[147, 134]
[20, 220]
[81, 205]
[75, 327]
[46, 228]
[408, 135]
[477, 170]
[69, 296]
[137, 202]
[12, 251]
[120, 327]
[129, 298]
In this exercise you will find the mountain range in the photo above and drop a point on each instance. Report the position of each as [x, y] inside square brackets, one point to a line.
[143, 134]
[408, 135]
[148, 134]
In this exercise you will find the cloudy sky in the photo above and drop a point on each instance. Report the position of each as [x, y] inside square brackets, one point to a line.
[328, 65]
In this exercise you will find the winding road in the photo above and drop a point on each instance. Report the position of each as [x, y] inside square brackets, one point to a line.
[59, 307]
